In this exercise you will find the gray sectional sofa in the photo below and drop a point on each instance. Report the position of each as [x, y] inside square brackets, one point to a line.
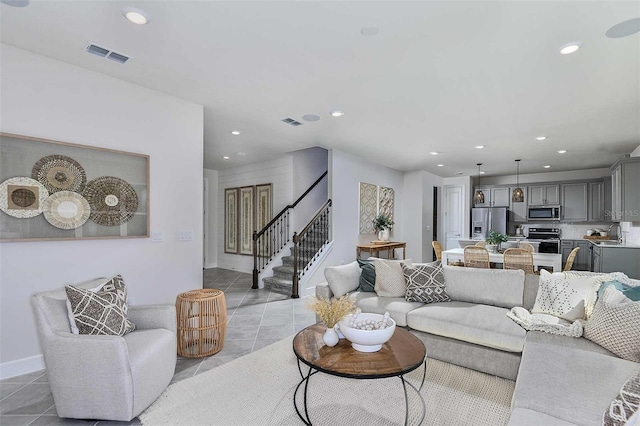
[559, 380]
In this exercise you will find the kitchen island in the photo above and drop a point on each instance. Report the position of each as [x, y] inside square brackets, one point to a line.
[552, 260]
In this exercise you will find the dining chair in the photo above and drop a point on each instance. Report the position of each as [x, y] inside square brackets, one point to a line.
[518, 258]
[482, 244]
[526, 246]
[570, 259]
[476, 257]
[438, 249]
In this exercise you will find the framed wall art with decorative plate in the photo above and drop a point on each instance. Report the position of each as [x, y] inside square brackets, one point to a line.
[51, 190]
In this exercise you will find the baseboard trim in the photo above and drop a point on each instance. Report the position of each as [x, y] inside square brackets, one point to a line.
[21, 366]
[211, 265]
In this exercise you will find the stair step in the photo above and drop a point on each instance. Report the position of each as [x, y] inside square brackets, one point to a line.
[287, 260]
[278, 285]
[285, 272]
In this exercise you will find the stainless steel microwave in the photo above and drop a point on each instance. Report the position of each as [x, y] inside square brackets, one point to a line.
[543, 213]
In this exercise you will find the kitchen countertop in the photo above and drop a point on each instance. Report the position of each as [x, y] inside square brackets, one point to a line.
[616, 246]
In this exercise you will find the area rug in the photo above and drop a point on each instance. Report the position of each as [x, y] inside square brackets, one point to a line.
[258, 389]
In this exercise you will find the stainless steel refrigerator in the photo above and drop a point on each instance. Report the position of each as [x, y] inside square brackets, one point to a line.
[485, 219]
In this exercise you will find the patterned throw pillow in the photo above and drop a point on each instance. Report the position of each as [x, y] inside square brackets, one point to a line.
[425, 283]
[389, 278]
[102, 312]
[367, 276]
[615, 325]
[564, 295]
[625, 404]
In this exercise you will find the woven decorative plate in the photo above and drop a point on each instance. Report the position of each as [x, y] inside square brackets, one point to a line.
[66, 210]
[22, 197]
[113, 201]
[59, 173]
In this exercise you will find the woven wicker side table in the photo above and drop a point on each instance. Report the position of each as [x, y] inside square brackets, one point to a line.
[202, 321]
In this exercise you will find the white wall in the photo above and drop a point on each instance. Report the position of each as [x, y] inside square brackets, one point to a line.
[633, 236]
[211, 248]
[49, 99]
[277, 172]
[418, 213]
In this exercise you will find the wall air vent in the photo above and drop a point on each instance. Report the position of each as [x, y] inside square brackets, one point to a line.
[292, 122]
[106, 53]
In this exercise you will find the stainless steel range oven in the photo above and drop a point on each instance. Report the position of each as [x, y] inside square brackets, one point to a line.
[549, 239]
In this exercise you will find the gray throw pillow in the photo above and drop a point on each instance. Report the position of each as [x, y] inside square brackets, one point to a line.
[368, 276]
[425, 283]
[625, 404]
[615, 324]
[343, 279]
[103, 312]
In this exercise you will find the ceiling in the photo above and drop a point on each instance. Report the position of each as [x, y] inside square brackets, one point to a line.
[438, 76]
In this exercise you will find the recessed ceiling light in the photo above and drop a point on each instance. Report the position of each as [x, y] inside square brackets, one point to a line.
[226, 157]
[562, 151]
[336, 113]
[235, 132]
[136, 16]
[459, 173]
[483, 172]
[540, 138]
[479, 146]
[624, 29]
[434, 153]
[570, 48]
[547, 167]
[310, 117]
[369, 31]
[440, 165]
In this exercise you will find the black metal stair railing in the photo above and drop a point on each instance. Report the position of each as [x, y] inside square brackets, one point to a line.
[271, 239]
[309, 243]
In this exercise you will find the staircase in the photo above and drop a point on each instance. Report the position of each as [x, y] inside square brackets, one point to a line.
[282, 280]
[308, 244]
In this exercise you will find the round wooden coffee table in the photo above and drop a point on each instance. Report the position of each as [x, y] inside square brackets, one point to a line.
[402, 354]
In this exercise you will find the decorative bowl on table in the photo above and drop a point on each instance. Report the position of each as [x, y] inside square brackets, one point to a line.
[367, 340]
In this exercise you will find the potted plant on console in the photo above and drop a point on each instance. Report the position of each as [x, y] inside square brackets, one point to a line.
[383, 223]
[494, 240]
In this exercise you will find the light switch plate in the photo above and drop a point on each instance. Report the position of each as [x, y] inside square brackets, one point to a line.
[157, 236]
[186, 235]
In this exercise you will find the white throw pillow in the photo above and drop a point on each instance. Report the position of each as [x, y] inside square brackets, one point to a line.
[343, 279]
[564, 295]
[390, 278]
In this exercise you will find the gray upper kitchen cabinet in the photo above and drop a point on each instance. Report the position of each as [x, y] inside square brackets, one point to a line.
[500, 197]
[597, 203]
[625, 177]
[543, 195]
[518, 210]
[574, 202]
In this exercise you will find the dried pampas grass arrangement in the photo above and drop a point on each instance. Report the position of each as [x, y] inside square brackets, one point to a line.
[331, 311]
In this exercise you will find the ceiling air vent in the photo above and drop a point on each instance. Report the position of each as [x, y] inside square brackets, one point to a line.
[292, 122]
[106, 53]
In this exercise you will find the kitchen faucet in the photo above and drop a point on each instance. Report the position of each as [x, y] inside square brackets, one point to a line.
[619, 232]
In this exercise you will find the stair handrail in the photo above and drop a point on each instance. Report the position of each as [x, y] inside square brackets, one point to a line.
[284, 239]
[290, 206]
[322, 212]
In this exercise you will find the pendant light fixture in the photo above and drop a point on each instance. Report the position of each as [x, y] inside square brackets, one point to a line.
[478, 196]
[518, 193]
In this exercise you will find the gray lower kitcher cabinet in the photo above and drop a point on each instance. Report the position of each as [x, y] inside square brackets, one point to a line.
[574, 202]
[616, 259]
[583, 258]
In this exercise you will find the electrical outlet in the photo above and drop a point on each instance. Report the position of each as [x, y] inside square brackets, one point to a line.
[157, 236]
[186, 235]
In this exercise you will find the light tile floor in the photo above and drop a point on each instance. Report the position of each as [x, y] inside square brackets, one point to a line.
[255, 319]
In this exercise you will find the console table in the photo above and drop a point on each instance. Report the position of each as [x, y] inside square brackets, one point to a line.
[389, 247]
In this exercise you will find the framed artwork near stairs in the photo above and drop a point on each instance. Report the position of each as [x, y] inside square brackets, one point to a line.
[247, 220]
[231, 220]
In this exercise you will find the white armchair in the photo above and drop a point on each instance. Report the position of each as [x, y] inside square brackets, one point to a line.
[106, 377]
